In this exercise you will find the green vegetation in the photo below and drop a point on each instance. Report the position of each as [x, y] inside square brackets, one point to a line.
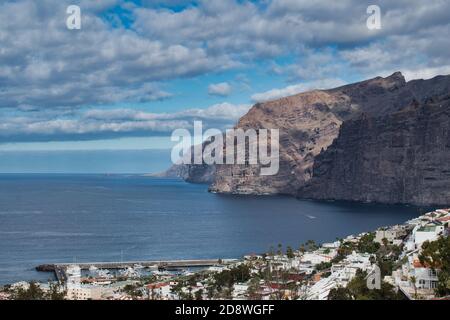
[280, 249]
[289, 252]
[309, 245]
[254, 288]
[387, 258]
[133, 290]
[346, 248]
[436, 254]
[34, 292]
[228, 278]
[198, 294]
[367, 244]
[146, 279]
[323, 266]
[386, 255]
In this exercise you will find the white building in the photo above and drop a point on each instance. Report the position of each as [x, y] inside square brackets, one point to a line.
[428, 232]
[73, 274]
[20, 285]
[346, 270]
[217, 268]
[160, 291]
[331, 245]
[426, 279]
[390, 234]
[240, 290]
[318, 256]
[341, 274]
[321, 289]
[78, 291]
[84, 292]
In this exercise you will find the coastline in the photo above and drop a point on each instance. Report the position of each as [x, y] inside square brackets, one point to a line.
[320, 264]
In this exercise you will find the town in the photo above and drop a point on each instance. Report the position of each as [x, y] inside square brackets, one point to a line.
[412, 262]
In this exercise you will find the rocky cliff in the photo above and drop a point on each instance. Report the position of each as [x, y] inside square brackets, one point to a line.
[190, 173]
[306, 126]
[399, 158]
[309, 123]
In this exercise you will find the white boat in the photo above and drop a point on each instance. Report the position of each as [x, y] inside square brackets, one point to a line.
[99, 273]
[93, 269]
[153, 267]
[187, 273]
[130, 273]
[103, 273]
[161, 273]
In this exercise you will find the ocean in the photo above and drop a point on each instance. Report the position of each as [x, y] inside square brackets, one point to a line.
[47, 218]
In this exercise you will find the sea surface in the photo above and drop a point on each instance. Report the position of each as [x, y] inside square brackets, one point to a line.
[47, 218]
[85, 161]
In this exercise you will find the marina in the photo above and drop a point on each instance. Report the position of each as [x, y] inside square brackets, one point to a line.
[60, 269]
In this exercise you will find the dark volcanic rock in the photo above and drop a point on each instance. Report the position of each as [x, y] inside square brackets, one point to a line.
[399, 158]
[46, 268]
[198, 173]
[190, 173]
[309, 123]
[193, 173]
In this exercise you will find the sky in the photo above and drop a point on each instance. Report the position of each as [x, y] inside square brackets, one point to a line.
[137, 70]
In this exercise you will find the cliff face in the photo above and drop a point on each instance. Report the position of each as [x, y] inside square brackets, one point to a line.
[193, 173]
[400, 158]
[309, 123]
[306, 125]
[190, 173]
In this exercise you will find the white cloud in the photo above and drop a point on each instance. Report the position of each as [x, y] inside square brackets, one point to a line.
[47, 65]
[100, 123]
[222, 89]
[221, 111]
[425, 73]
[297, 88]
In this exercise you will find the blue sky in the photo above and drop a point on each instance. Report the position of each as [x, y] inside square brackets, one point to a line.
[137, 70]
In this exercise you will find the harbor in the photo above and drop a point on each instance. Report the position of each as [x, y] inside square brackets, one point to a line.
[60, 269]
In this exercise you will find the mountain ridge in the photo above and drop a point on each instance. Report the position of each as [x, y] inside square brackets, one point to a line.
[309, 123]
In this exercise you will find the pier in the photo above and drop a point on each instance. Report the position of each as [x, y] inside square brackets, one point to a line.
[59, 269]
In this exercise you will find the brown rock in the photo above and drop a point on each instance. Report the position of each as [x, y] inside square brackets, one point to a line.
[308, 123]
[365, 152]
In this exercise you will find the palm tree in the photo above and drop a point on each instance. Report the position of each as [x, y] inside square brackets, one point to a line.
[413, 280]
[280, 249]
[289, 252]
[302, 249]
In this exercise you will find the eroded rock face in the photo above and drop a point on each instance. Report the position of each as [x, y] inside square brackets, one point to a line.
[309, 123]
[399, 158]
[306, 125]
[190, 173]
[193, 173]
